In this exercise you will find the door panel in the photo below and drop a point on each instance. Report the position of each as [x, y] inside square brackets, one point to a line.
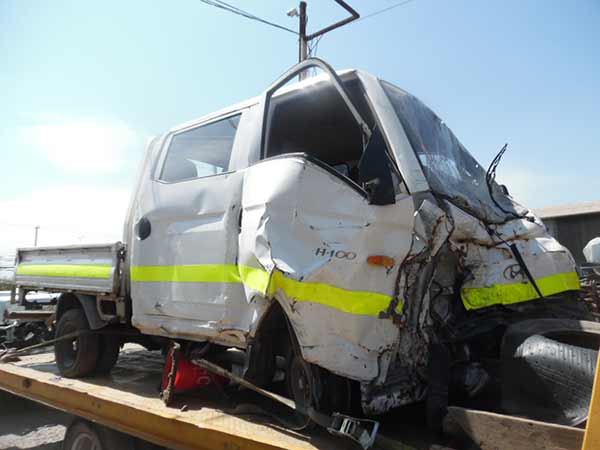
[192, 224]
[179, 272]
[313, 232]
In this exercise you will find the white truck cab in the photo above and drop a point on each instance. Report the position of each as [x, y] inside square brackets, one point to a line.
[339, 225]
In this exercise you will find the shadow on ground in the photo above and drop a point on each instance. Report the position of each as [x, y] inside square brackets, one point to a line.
[28, 425]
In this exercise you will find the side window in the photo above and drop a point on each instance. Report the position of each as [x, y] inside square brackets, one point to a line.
[201, 151]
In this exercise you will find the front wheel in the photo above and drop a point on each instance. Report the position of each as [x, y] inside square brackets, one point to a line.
[301, 389]
[76, 357]
[311, 386]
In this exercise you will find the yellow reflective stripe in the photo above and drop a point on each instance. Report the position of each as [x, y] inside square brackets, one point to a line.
[66, 270]
[506, 294]
[195, 273]
[203, 273]
[256, 279]
[353, 302]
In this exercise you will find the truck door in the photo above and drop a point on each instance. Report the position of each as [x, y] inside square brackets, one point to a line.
[182, 250]
[333, 211]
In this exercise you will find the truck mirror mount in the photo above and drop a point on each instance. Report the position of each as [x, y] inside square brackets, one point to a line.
[375, 174]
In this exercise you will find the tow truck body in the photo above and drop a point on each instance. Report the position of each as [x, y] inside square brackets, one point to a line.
[340, 212]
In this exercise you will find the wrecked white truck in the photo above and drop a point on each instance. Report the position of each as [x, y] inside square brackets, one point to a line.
[335, 231]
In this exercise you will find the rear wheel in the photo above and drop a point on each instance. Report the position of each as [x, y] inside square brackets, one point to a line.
[108, 353]
[76, 357]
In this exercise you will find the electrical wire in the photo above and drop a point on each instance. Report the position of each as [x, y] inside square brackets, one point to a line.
[234, 9]
[314, 48]
[381, 11]
[240, 12]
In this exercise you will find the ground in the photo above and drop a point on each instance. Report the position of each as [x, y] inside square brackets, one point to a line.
[28, 425]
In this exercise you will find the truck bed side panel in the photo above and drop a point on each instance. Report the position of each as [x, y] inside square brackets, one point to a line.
[89, 268]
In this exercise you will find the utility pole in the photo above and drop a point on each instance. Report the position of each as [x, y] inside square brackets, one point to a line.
[35, 239]
[303, 47]
[304, 39]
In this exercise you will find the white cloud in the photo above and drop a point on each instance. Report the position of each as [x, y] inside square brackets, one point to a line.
[66, 215]
[83, 145]
[534, 189]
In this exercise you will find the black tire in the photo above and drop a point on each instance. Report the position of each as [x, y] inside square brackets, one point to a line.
[76, 358]
[108, 354]
[82, 435]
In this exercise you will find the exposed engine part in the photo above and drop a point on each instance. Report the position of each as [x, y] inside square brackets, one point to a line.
[590, 289]
[468, 379]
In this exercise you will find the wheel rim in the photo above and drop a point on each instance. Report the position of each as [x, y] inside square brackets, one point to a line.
[85, 442]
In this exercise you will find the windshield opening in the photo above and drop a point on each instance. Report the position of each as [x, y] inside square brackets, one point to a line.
[449, 168]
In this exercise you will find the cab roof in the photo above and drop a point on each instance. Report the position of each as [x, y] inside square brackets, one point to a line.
[346, 74]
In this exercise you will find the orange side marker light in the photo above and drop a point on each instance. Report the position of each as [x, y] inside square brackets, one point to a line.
[381, 260]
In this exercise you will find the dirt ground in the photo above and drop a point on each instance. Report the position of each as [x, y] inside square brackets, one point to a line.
[28, 425]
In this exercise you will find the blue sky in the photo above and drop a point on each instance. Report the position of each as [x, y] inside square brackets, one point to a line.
[84, 84]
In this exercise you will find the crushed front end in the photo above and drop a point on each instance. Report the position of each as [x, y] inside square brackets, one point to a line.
[490, 298]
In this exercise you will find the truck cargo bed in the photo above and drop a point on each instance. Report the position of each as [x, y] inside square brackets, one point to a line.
[85, 268]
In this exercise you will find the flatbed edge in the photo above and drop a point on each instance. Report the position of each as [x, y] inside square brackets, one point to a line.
[165, 430]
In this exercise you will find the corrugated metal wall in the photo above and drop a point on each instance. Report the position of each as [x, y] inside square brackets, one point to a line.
[574, 232]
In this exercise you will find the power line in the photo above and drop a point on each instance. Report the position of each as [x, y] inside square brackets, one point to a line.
[240, 12]
[381, 11]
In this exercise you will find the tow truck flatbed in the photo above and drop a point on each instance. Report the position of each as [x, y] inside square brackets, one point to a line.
[128, 401]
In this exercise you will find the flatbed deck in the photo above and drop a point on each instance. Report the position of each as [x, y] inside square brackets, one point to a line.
[128, 401]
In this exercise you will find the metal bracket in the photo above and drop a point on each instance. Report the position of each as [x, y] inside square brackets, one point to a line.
[337, 424]
[168, 391]
[354, 429]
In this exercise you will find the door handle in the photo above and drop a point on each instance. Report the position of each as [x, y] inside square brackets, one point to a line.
[143, 228]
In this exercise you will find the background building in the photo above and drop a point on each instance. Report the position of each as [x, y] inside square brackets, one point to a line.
[573, 224]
